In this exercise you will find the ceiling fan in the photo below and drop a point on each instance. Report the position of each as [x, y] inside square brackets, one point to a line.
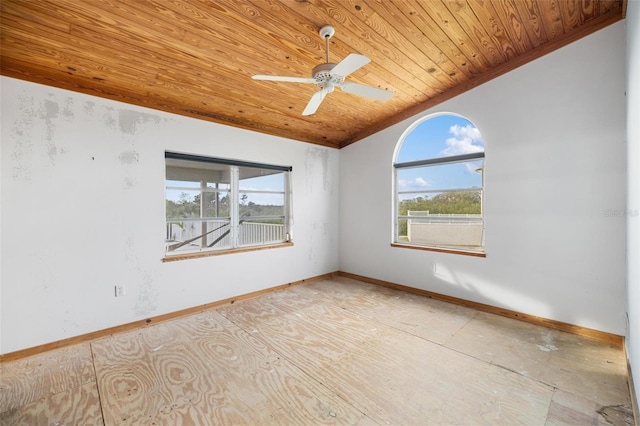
[328, 76]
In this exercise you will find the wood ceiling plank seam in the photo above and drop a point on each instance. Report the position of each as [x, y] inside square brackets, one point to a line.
[514, 22]
[494, 28]
[193, 55]
[571, 14]
[422, 41]
[30, 14]
[589, 10]
[24, 70]
[43, 34]
[87, 68]
[194, 78]
[224, 37]
[75, 52]
[607, 5]
[133, 54]
[531, 13]
[596, 8]
[123, 33]
[179, 49]
[374, 73]
[443, 19]
[508, 20]
[382, 65]
[115, 85]
[470, 24]
[426, 25]
[290, 35]
[86, 13]
[552, 18]
[287, 48]
[561, 41]
[431, 71]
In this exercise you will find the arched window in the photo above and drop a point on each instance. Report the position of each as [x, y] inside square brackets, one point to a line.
[439, 168]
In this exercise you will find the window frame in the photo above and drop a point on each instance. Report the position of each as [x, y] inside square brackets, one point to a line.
[234, 196]
[429, 162]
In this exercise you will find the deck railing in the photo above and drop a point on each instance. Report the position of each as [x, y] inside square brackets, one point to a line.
[465, 230]
[190, 235]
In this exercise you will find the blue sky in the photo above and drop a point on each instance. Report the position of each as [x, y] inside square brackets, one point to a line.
[440, 136]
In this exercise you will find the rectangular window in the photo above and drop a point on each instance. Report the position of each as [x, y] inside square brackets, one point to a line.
[217, 204]
[439, 203]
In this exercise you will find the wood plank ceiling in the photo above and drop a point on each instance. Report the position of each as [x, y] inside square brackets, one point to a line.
[196, 57]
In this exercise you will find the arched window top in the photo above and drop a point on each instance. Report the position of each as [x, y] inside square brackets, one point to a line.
[441, 135]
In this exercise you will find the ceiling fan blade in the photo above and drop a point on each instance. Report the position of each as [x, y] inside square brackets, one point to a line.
[366, 91]
[314, 102]
[351, 63]
[283, 78]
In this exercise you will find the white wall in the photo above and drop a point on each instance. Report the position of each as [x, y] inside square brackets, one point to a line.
[633, 190]
[554, 131]
[83, 209]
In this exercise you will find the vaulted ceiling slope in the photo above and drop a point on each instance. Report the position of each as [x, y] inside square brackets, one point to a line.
[196, 57]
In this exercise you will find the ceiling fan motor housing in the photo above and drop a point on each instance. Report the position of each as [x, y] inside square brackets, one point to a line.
[322, 75]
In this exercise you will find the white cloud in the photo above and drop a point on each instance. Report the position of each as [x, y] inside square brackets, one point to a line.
[415, 183]
[465, 140]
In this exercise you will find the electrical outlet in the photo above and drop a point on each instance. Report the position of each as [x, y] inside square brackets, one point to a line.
[119, 290]
[434, 266]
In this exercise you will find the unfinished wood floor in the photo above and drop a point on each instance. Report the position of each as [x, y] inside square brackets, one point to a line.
[329, 352]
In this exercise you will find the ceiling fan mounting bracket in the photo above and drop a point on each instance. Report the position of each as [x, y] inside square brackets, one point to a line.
[326, 32]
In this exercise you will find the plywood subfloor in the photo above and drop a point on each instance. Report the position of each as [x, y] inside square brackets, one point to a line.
[330, 352]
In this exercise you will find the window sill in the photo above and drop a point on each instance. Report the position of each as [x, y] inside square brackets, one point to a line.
[196, 255]
[441, 250]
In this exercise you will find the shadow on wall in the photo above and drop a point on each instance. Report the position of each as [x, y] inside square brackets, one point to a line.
[498, 295]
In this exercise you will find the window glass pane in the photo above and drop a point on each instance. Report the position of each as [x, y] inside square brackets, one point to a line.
[261, 192]
[261, 179]
[441, 177]
[259, 204]
[184, 203]
[217, 204]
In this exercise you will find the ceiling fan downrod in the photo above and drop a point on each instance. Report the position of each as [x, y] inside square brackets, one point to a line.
[326, 33]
